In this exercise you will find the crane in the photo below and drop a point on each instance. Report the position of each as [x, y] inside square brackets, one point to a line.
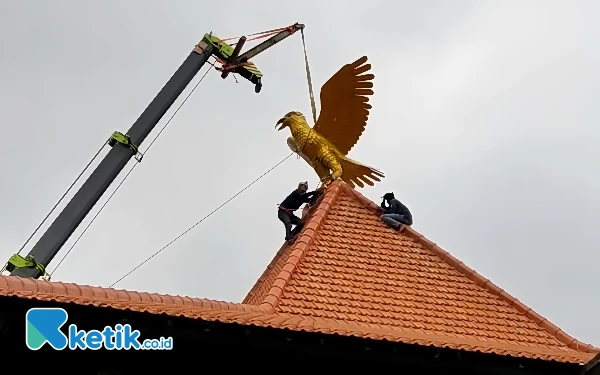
[124, 146]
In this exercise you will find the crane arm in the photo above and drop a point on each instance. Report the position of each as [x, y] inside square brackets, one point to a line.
[124, 146]
[244, 57]
[235, 63]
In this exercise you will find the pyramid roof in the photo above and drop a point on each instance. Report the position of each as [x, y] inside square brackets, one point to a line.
[347, 273]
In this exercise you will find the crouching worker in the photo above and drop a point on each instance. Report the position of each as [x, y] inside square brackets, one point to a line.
[395, 214]
[290, 204]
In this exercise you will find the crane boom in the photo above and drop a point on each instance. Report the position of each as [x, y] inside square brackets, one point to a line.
[124, 146]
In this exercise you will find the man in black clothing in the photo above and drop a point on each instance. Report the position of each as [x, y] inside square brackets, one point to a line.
[395, 213]
[290, 204]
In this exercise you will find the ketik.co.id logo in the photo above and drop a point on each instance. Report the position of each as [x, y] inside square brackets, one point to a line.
[43, 326]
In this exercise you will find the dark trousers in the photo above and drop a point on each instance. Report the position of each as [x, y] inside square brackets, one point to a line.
[288, 219]
[394, 220]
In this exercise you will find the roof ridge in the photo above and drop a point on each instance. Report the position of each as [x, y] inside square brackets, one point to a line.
[485, 283]
[310, 324]
[143, 306]
[15, 285]
[263, 277]
[277, 301]
[474, 276]
[300, 247]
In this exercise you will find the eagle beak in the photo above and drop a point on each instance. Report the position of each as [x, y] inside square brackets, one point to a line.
[281, 122]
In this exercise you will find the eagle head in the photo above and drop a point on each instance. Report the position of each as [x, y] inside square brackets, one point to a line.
[285, 120]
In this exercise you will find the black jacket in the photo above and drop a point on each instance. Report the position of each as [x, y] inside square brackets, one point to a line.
[396, 207]
[296, 199]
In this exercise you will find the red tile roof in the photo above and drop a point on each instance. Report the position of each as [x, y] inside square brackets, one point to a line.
[349, 274]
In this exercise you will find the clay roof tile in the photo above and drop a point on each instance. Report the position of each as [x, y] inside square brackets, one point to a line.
[347, 273]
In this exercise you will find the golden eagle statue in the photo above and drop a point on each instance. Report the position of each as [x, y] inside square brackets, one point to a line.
[343, 117]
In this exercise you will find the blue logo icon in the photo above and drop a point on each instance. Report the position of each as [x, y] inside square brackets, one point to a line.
[42, 325]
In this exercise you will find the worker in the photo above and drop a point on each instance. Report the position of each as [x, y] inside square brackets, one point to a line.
[290, 204]
[395, 214]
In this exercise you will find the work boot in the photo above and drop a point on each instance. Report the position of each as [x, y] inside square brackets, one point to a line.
[291, 240]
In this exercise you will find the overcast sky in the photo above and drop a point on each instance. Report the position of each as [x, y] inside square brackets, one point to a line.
[483, 121]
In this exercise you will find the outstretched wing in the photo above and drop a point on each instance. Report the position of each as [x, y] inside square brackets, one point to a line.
[344, 105]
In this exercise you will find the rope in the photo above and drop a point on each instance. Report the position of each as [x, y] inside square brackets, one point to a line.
[310, 94]
[262, 34]
[130, 170]
[199, 222]
[63, 197]
[309, 79]
[314, 113]
[259, 37]
[254, 36]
